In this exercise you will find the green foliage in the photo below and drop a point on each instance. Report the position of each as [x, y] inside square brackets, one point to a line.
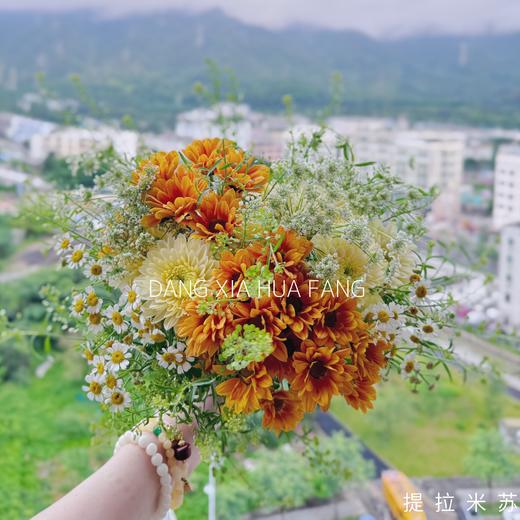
[45, 440]
[490, 457]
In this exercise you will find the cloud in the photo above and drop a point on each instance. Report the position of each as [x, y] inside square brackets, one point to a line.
[376, 17]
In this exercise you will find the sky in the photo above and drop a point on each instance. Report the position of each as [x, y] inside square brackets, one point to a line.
[380, 18]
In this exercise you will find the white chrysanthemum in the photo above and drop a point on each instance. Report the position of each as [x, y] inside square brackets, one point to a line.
[77, 256]
[92, 300]
[117, 399]
[174, 270]
[118, 357]
[116, 318]
[64, 245]
[175, 358]
[78, 306]
[94, 388]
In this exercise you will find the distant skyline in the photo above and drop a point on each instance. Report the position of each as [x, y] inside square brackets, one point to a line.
[379, 18]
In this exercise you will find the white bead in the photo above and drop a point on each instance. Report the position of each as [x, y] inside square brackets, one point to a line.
[157, 458]
[162, 470]
[162, 437]
[167, 444]
[143, 442]
[166, 480]
[151, 449]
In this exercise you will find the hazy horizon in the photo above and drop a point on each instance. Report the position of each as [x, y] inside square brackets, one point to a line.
[378, 18]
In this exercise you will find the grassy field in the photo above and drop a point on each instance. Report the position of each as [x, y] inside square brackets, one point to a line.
[426, 434]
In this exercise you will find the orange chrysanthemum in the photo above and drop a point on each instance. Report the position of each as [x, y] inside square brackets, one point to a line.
[283, 412]
[360, 394]
[204, 332]
[230, 163]
[300, 305]
[244, 393]
[319, 374]
[175, 196]
[339, 323]
[215, 214]
[264, 313]
[162, 162]
[280, 366]
[370, 357]
[231, 271]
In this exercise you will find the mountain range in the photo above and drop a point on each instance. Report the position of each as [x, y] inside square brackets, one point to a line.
[145, 66]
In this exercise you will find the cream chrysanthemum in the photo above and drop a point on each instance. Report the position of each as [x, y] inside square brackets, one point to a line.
[354, 264]
[174, 270]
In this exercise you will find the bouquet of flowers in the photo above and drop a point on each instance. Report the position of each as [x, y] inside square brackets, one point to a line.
[269, 288]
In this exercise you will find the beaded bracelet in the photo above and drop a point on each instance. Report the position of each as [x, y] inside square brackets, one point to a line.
[172, 472]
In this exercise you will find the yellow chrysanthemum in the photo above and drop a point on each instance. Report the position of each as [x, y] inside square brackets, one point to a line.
[354, 264]
[175, 270]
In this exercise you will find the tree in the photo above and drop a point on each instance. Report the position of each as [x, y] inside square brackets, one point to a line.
[490, 457]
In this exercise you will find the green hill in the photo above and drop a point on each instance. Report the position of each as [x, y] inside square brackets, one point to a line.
[146, 66]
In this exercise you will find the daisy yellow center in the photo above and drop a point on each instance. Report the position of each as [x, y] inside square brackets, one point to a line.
[100, 368]
[92, 299]
[79, 305]
[95, 387]
[157, 337]
[88, 355]
[421, 291]
[428, 329]
[117, 398]
[383, 316]
[117, 319]
[169, 357]
[111, 381]
[117, 357]
[65, 243]
[96, 269]
[410, 365]
[132, 296]
[77, 256]
[94, 319]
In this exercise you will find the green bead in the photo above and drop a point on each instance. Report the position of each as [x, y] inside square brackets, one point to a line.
[157, 430]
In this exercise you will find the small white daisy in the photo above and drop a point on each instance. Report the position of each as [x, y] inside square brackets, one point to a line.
[95, 322]
[118, 357]
[409, 365]
[421, 292]
[117, 399]
[63, 245]
[87, 352]
[94, 270]
[387, 318]
[112, 382]
[98, 364]
[129, 299]
[136, 319]
[77, 257]
[78, 306]
[94, 388]
[116, 318]
[92, 300]
[174, 358]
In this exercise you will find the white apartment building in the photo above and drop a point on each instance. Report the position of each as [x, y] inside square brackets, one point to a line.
[509, 275]
[423, 157]
[506, 198]
[71, 141]
[229, 120]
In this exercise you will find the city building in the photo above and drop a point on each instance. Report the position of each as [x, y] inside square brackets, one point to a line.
[229, 120]
[72, 141]
[509, 275]
[506, 201]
